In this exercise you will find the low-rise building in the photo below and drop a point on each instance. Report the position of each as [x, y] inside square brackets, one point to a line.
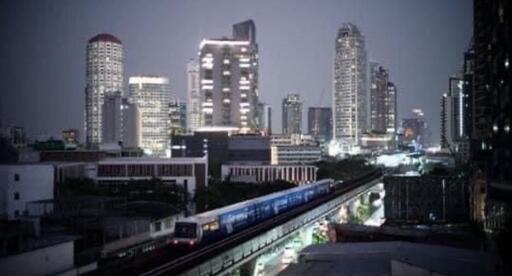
[392, 258]
[191, 173]
[298, 174]
[141, 226]
[286, 155]
[21, 184]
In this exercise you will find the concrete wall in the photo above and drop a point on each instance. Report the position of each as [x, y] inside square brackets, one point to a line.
[35, 182]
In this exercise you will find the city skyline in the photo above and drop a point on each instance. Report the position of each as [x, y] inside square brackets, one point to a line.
[169, 58]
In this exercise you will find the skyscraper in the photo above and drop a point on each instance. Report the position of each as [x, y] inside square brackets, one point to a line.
[292, 114]
[392, 120]
[194, 96]
[121, 121]
[151, 94]
[379, 98]
[350, 86]
[112, 118]
[229, 79]
[177, 116]
[383, 97]
[104, 75]
[320, 123]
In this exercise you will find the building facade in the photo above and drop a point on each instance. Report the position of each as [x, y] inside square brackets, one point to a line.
[177, 116]
[104, 75]
[151, 94]
[265, 119]
[228, 76]
[383, 105]
[121, 121]
[292, 114]
[191, 173]
[22, 184]
[297, 174]
[296, 154]
[320, 123]
[491, 149]
[350, 86]
[194, 96]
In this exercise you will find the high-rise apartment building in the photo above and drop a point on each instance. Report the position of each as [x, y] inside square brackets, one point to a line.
[229, 80]
[320, 123]
[452, 114]
[383, 97]
[151, 94]
[491, 149]
[292, 114]
[177, 116]
[194, 97]
[350, 86]
[121, 121]
[104, 76]
[392, 120]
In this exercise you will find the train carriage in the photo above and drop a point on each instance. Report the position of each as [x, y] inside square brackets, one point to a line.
[220, 223]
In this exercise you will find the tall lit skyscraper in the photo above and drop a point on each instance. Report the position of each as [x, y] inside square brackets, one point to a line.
[152, 96]
[378, 97]
[382, 101]
[104, 75]
[350, 86]
[292, 114]
[194, 96]
[229, 79]
[392, 119]
[320, 123]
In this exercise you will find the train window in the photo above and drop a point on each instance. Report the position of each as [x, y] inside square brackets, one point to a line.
[185, 230]
[214, 225]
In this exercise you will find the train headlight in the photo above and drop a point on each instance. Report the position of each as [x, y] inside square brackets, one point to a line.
[175, 241]
[191, 243]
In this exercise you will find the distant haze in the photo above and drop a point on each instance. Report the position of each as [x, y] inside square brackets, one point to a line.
[42, 54]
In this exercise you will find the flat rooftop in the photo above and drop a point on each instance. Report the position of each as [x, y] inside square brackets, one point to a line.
[392, 258]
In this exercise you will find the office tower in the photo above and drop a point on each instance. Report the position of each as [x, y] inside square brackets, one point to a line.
[491, 148]
[112, 117]
[177, 116]
[265, 118]
[452, 114]
[104, 75]
[392, 117]
[229, 79]
[320, 123]
[151, 94]
[379, 107]
[121, 121]
[130, 124]
[194, 96]
[350, 87]
[292, 114]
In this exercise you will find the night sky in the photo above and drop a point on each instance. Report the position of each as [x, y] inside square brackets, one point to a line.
[42, 50]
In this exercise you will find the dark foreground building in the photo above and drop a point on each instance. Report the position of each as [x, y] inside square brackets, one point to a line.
[491, 151]
[426, 199]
